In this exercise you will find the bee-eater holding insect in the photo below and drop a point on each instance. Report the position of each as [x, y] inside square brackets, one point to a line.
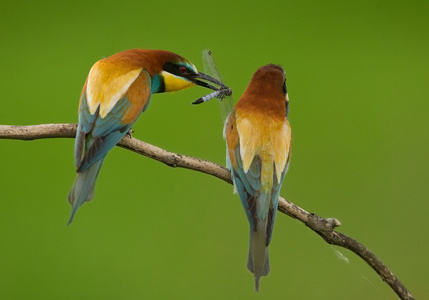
[258, 138]
[117, 90]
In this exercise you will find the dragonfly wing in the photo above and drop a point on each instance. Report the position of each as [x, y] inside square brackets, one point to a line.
[210, 65]
[210, 68]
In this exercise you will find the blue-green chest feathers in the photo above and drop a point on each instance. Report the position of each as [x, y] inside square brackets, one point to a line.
[157, 85]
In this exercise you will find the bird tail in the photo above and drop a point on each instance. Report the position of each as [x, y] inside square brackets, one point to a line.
[258, 261]
[83, 187]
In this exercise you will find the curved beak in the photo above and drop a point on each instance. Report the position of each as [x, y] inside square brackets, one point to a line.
[195, 79]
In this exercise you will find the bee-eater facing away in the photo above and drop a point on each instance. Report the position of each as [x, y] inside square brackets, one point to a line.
[258, 138]
[117, 90]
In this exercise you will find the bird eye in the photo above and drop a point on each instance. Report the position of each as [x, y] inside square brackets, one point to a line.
[183, 70]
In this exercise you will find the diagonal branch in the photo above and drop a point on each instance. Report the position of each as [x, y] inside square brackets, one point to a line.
[323, 227]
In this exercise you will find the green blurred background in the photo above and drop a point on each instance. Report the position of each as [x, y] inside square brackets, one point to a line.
[357, 80]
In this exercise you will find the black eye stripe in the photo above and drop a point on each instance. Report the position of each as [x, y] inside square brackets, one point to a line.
[170, 68]
[284, 88]
[177, 69]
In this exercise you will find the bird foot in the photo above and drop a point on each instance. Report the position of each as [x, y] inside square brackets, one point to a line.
[129, 133]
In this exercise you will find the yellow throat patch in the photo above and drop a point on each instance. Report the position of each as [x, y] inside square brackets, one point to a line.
[175, 83]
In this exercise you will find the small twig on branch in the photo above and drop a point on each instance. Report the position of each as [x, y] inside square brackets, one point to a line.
[323, 227]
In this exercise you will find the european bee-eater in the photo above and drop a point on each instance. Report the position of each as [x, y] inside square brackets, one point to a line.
[258, 138]
[117, 90]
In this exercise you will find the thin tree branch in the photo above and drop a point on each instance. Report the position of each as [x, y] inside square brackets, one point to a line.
[323, 227]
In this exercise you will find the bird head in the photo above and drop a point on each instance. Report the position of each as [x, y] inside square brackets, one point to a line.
[267, 90]
[269, 78]
[183, 74]
[178, 73]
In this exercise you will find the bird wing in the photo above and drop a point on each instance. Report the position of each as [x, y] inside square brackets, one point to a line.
[246, 184]
[107, 111]
[258, 162]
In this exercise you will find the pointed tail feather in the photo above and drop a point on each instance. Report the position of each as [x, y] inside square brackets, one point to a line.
[83, 187]
[258, 261]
